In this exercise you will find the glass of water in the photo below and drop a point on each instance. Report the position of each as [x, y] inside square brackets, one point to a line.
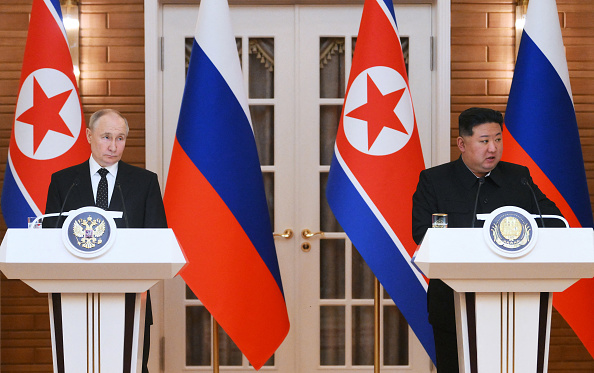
[439, 220]
[33, 222]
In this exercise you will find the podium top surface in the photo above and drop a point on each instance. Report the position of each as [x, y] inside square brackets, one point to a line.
[456, 255]
[137, 254]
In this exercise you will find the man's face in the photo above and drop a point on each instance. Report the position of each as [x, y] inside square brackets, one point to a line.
[107, 139]
[482, 151]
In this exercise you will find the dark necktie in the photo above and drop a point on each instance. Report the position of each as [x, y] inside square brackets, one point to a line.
[102, 190]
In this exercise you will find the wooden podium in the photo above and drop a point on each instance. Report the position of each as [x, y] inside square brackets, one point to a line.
[503, 292]
[97, 298]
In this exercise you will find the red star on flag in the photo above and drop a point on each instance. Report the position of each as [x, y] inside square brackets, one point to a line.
[44, 115]
[378, 112]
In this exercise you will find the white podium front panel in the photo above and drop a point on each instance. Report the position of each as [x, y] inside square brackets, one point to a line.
[97, 332]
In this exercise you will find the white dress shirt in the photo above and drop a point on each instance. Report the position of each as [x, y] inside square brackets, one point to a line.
[95, 177]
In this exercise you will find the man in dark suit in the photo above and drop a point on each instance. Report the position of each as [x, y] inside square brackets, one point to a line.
[452, 189]
[105, 181]
[107, 133]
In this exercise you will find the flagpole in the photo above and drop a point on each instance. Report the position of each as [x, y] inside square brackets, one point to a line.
[376, 325]
[215, 346]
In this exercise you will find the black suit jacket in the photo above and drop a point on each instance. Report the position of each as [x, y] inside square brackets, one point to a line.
[451, 189]
[140, 189]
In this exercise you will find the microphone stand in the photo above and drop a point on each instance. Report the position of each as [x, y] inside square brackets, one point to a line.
[481, 181]
[74, 183]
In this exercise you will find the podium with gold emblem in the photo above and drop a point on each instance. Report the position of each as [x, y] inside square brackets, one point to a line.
[96, 276]
[504, 275]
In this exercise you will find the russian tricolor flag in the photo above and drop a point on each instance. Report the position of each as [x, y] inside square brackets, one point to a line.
[376, 165]
[215, 200]
[48, 132]
[541, 132]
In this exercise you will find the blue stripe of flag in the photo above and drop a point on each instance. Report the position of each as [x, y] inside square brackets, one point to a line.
[390, 7]
[215, 133]
[541, 118]
[381, 253]
[57, 7]
[15, 208]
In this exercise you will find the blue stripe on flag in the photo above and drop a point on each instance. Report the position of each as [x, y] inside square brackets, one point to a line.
[390, 7]
[57, 7]
[15, 208]
[541, 117]
[381, 254]
[215, 133]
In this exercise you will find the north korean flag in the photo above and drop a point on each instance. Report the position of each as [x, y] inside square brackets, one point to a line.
[376, 165]
[48, 131]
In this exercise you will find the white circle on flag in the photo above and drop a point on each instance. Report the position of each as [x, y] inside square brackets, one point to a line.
[389, 140]
[54, 144]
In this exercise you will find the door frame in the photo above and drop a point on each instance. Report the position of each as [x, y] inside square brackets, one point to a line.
[153, 37]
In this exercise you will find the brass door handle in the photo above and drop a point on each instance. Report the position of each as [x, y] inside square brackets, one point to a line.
[306, 233]
[288, 233]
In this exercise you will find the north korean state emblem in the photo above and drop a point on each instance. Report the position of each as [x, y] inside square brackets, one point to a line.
[511, 231]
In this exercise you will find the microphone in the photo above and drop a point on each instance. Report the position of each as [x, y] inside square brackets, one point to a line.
[74, 183]
[123, 203]
[481, 181]
[525, 182]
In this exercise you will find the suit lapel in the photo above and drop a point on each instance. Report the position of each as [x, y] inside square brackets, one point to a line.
[84, 192]
[116, 203]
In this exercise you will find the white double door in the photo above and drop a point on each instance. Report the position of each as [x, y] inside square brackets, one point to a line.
[295, 61]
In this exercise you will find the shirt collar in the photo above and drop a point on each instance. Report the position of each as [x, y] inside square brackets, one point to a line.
[468, 178]
[94, 167]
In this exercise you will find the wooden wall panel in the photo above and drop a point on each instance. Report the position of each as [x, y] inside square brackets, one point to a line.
[112, 64]
[23, 335]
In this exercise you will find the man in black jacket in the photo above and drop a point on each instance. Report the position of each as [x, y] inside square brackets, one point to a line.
[452, 188]
[107, 133]
[81, 185]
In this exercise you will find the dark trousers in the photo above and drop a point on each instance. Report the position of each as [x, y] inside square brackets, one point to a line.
[446, 351]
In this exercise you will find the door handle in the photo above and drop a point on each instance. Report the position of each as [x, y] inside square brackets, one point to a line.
[306, 233]
[288, 233]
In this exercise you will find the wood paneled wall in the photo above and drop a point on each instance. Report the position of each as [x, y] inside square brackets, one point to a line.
[112, 65]
[112, 75]
[25, 337]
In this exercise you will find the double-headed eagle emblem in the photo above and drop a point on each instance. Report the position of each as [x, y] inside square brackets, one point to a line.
[89, 231]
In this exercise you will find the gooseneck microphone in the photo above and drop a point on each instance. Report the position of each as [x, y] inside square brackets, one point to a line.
[525, 182]
[481, 181]
[74, 183]
[123, 204]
